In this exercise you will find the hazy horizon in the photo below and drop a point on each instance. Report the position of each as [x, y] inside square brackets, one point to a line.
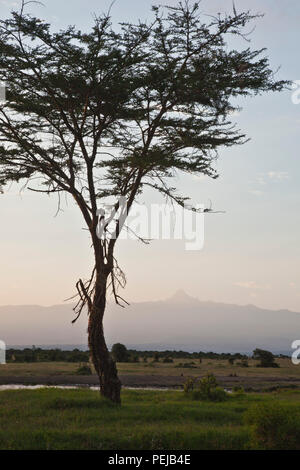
[180, 322]
[177, 292]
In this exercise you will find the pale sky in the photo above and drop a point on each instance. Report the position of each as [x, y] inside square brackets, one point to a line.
[251, 253]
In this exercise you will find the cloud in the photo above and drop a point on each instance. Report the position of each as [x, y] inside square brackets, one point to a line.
[252, 285]
[256, 192]
[269, 177]
[262, 178]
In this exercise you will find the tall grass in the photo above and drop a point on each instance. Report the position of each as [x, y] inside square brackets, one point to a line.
[81, 419]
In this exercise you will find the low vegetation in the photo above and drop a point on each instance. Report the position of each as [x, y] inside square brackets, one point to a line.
[274, 426]
[205, 389]
[119, 352]
[155, 420]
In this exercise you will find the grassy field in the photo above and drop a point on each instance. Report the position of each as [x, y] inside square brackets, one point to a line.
[81, 419]
[217, 367]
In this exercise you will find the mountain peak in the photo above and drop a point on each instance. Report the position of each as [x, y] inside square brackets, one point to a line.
[181, 296]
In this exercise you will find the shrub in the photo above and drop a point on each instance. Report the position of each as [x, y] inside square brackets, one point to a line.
[83, 370]
[266, 358]
[205, 389]
[273, 427]
[188, 386]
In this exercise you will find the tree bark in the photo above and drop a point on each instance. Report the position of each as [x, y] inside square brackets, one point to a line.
[110, 384]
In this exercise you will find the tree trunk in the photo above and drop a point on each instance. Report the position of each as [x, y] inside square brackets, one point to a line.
[110, 385]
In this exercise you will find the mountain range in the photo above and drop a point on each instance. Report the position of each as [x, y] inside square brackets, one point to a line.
[180, 322]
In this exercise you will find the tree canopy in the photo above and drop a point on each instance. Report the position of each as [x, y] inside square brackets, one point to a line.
[266, 358]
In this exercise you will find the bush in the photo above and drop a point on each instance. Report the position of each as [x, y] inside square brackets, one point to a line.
[189, 385]
[273, 427]
[83, 370]
[266, 358]
[205, 389]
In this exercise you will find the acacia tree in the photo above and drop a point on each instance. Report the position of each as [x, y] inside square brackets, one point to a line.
[101, 115]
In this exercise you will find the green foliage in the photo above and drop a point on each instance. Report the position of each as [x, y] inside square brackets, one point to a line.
[162, 95]
[81, 419]
[189, 384]
[205, 389]
[120, 353]
[274, 427]
[266, 358]
[76, 355]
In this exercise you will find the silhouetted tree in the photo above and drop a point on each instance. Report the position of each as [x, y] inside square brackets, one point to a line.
[266, 358]
[102, 115]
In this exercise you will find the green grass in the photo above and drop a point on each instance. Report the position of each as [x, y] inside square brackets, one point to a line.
[81, 419]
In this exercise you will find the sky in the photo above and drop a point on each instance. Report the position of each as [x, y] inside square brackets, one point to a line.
[251, 252]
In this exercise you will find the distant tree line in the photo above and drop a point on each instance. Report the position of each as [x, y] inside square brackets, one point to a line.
[121, 354]
[46, 355]
[185, 355]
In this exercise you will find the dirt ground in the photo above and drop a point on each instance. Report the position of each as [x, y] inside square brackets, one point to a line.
[160, 381]
[158, 374]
